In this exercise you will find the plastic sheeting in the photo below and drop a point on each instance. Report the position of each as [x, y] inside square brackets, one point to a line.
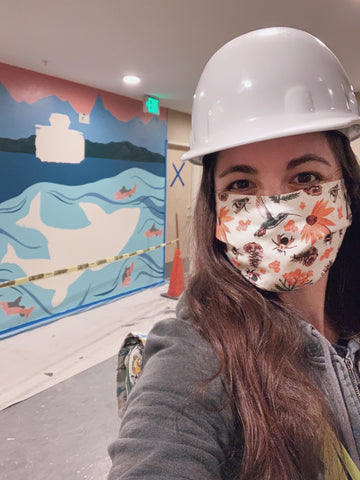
[45, 356]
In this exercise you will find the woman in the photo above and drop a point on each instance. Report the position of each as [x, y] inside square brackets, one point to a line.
[257, 377]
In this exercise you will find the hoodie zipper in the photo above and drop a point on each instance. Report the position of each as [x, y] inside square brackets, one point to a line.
[353, 376]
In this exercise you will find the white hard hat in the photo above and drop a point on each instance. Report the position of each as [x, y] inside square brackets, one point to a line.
[266, 84]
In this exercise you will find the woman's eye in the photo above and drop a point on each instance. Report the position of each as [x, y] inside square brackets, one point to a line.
[307, 177]
[239, 185]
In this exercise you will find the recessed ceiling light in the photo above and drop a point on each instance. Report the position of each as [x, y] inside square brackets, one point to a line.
[131, 79]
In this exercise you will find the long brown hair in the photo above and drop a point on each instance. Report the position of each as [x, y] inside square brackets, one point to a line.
[277, 403]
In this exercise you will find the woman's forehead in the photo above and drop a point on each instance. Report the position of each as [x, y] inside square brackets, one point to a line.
[278, 151]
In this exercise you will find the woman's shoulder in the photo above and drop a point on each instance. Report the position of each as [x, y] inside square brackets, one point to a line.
[177, 340]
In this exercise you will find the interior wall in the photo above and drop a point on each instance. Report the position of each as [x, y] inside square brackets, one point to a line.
[356, 143]
[179, 184]
[356, 148]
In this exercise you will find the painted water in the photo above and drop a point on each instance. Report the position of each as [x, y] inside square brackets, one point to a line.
[51, 226]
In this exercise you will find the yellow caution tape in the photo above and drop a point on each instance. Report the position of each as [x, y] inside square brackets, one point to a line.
[76, 268]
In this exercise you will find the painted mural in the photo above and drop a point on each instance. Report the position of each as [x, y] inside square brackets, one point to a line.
[83, 179]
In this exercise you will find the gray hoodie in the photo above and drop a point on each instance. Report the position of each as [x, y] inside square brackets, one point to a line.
[172, 430]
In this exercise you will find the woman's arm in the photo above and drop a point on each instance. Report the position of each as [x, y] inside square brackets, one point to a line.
[172, 427]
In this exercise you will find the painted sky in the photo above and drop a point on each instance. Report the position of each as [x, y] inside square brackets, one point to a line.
[82, 98]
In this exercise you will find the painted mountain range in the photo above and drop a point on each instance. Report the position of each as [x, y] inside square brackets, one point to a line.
[115, 150]
[18, 120]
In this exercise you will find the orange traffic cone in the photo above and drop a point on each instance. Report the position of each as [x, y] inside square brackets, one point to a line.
[177, 282]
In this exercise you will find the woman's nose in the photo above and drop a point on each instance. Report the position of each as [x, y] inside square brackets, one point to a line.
[271, 186]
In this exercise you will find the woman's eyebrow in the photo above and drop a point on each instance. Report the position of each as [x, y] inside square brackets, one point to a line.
[308, 157]
[239, 168]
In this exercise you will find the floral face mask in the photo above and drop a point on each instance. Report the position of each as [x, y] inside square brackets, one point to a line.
[281, 243]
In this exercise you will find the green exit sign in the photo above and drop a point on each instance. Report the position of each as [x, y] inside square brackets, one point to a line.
[151, 105]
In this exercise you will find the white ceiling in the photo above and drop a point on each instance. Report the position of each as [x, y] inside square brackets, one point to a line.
[166, 42]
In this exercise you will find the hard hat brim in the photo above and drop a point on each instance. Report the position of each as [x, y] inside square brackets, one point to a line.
[253, 131]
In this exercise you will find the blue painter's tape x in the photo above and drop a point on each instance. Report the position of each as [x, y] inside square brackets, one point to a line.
[177, 175]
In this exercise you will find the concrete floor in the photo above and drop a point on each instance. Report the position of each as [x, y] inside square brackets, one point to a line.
[58, 384]
[62, 432]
